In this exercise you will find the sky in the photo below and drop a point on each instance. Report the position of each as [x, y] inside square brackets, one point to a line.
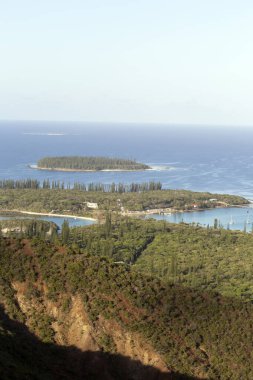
[159, 61]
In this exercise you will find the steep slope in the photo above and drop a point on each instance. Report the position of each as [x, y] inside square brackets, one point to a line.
[24, 357]
[96, 305]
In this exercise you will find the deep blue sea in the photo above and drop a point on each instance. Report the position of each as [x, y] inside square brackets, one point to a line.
[186, 157]
[201, 158]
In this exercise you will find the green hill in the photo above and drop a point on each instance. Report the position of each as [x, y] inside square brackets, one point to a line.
[94, 304]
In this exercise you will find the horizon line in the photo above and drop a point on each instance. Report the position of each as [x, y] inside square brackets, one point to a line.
[140, 123]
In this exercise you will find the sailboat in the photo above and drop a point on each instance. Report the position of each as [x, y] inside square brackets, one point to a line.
[231, 220]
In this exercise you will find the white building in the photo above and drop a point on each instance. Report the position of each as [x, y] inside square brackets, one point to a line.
[92, 205]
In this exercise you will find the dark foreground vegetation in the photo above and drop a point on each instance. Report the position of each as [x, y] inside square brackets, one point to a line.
[198, 334]
[207, 259]
[23, 356]
[89, 163]
[179, 293]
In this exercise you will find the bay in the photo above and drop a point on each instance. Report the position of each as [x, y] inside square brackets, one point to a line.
[73, 222]
[234, 218]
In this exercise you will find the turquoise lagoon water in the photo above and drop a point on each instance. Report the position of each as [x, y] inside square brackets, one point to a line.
[234, 218]
[73, 222]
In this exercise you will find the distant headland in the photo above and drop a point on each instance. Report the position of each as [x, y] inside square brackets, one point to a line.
[92, 163]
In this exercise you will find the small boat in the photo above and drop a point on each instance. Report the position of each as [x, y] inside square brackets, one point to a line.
[231, 221]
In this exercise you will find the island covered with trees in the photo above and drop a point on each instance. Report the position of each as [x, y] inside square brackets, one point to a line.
[91, 163]
[131, 199]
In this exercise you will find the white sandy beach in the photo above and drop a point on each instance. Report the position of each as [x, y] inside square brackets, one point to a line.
[51, 214]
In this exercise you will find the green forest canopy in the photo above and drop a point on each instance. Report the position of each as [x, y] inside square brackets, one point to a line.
[197, 333]
[204, 258]
[73, 201]
[90, 163]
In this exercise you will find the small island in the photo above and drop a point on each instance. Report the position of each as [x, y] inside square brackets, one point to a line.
[92, 163]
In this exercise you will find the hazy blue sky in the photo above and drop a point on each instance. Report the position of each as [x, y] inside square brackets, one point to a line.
[183, 61]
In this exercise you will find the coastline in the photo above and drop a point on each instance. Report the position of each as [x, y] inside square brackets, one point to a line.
[86, 170]
[51, 214]
[159, 211]
[169, 211]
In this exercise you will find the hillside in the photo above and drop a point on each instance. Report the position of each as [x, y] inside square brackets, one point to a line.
[77, 163]
[25, 357]
[192, 256]
[72, 299]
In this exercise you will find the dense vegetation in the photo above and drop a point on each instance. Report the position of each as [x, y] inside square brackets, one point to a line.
[89, 163]
[25, 357]
[101, 187]
[28, 183]
[75, 201]
[209, 259]
[28, 228]
[184, 289]
[200, 334]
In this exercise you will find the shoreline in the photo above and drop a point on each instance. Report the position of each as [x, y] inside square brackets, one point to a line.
[169, 211]
[50, 214]
[86, 170]
[160, 211]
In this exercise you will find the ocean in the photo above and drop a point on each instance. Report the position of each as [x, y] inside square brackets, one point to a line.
[199, 158]
[184, 157]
